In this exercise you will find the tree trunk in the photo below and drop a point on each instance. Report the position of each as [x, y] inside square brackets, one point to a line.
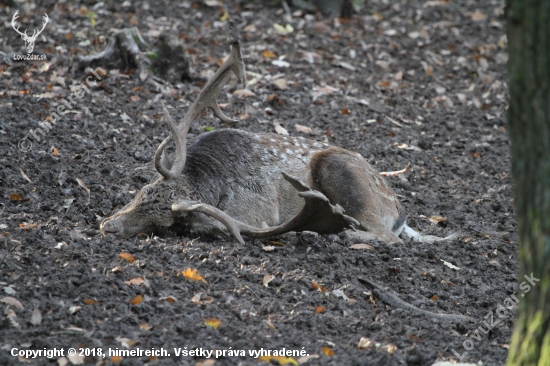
[528, 33]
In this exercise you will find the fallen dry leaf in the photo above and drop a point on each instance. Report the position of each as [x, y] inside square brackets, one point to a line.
[76, 359]
[91, 302]
[82, 184]
[170, 299]
[36, 317]
[364, 343]
[26, 226]
[116, 360]
[450, 265]
[268, 54]
[136, 300]
[213, 322]
[15, 197]
[361, 246]
[434, 298]
[478, 16]
[269, 324]
[197, 298]
[318, 287]
[437, 219]
[327, 351]
[281, 360]
[391, 348]
[192, 274]
[320, 309]
[345, 111]
[134, 281]
[280, 129]
[145, 326]
[280, 83]
[55, 152]
[244, 93]
[12, 301]
[304, 129]
[127, 256]
[394, 173]
[267, 279]
[25, 176]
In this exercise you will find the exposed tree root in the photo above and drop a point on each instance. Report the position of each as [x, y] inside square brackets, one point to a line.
[127, 50]
[396, 302]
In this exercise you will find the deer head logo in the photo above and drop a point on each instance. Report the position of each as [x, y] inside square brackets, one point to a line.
[29, 40]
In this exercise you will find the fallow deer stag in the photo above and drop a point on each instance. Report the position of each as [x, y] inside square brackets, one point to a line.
[260, 185]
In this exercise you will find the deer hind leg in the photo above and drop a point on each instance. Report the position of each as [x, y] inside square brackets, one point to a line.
[346, 179]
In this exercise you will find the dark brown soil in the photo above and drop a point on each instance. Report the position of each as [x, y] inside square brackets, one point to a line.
[410, 82]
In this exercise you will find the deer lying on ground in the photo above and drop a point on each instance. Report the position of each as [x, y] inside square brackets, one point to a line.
[260, 185]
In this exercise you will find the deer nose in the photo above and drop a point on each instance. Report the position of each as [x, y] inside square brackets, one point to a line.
[106, 228]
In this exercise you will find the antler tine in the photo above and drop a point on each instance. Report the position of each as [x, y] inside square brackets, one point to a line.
[207, 99]
[14, 22]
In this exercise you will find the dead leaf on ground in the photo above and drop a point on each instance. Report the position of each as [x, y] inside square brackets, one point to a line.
[12, 301]
[391, 348]
[268, 54]
[437, 219]
[280, 129]
[145, 326]
[15, 197]
[269, 324]
[327, 351]
[318, 287]
[192, 274]
[213, 322]
[434, 298]
[79, 360]
[134, 281]
[25, 176]
[267, 279]
[91, 302]
[361, 246]
[280, 83]
[365, 343]
[244, 93]
[136, 300]
[304, 129]
[36, 317]
[82, 184]
[320, 309]
[115, 359]
[127, 256]
[26, 226]
[450, 265]
[170, 299]
[281, 360]
[478, 16]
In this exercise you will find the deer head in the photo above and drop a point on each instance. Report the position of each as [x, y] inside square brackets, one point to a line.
[29, 40]
[152, 206]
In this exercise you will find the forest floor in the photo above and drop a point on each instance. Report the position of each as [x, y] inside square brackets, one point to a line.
[419, 82]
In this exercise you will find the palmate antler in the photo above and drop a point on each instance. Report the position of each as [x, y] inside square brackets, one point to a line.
[206, 99]
[317, 215]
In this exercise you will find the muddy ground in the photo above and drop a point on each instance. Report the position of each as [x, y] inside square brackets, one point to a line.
[401, 82]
